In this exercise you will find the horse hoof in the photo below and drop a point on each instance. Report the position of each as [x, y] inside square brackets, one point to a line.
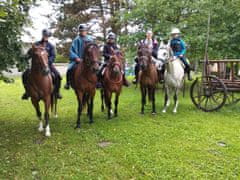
[47, 134]
[77, 127]
[111, 111]
[40, 129]
[175, 112]
[154, 113]
[90, 122]
[163, 111]
[55, 116]
[142, 113]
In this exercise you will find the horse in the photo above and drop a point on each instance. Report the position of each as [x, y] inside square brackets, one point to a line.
[173, 78]
[41, 86]
[85, 79]
[148, 77]
[112, 82]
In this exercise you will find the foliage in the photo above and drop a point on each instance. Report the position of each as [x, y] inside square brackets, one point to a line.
[61, 59]
[188, 145]
[13, 15]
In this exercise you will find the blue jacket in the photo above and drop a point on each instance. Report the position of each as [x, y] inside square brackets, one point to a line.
[77, 48]
[50, 49]
[178, 46]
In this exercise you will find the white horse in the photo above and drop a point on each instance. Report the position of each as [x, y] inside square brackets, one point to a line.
[173, 75]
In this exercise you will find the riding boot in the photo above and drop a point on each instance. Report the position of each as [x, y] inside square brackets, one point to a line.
[68, 79]
[125, 81]
[136, 71]
[188, 71]
[25, 75]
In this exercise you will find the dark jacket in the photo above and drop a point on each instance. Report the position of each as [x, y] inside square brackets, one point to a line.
[107, 50]
[50, 49]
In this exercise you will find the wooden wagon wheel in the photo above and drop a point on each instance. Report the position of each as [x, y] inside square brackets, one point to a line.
[232, 98]
[208, 93]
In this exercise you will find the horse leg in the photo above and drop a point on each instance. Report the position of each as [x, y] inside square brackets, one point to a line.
[38, 112]
[108, 96]
[90, 110]
[80, 106]
[143, 91]
[116, 105]
[153, 101]
[166, 100]
[175, 101]
[102, 98]
[47, 104]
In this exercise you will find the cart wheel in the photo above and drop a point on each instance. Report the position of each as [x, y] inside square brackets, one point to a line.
[232, 98]
[208, 93]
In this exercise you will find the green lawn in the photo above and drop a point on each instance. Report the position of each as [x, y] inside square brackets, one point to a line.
[189, 145]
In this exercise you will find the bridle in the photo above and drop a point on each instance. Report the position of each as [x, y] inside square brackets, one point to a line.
[38, 60]
[110, 67]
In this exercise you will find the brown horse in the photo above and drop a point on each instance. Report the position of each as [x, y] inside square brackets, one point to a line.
[85, 79]
[148, 77]
[112, 82]
[41, 85]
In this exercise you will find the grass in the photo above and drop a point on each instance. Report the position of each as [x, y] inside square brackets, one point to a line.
[189, 145]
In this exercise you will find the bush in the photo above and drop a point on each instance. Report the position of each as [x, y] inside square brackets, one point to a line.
[61, 59]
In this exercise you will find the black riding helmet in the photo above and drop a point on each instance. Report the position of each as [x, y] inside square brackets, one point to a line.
[82, 27]
[46, 32]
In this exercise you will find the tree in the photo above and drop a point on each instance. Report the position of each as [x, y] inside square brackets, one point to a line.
[13, 15]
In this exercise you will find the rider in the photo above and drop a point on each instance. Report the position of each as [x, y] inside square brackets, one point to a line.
[76, 50]
[179, 49]
[152, 45]
[107, 53]
[51, 58]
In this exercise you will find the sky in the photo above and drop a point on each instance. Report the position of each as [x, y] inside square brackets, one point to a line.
[40, 19]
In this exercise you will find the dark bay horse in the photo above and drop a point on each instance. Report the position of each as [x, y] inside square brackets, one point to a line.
[112, 82]
[85, 79]
[41, 85]
[148, 77]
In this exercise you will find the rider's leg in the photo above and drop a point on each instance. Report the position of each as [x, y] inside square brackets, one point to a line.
[25, 76]
[187, 68]
[136, 71]
[125, 81]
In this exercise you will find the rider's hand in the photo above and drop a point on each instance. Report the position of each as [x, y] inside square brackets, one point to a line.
[180, 55]
[78, 60]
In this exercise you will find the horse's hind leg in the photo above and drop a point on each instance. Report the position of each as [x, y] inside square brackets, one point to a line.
[39, 114]
[47, 104]
[102, 98]
[116, 105]
[166, 100]
[79, 113]
[175, 101]
[153, 101]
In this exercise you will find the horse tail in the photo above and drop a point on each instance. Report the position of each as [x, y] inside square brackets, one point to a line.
[85, 100]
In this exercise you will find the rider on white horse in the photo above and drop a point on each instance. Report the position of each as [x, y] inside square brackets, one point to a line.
[179, 49]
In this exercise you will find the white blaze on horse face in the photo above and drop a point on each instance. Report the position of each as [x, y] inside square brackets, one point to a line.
[47, 133]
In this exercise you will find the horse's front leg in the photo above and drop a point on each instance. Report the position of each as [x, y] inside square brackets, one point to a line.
[153, 101]
[38, 112]
[108, 102]
[166, 100]
[47, 103]
[143, 91]
[79, 112]
[175, 101]
[116, 104]
[90, 106]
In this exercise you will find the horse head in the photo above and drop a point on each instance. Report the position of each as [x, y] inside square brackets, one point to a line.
[116, 61]
[144, 56]
[40, 59]
[92, 56]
